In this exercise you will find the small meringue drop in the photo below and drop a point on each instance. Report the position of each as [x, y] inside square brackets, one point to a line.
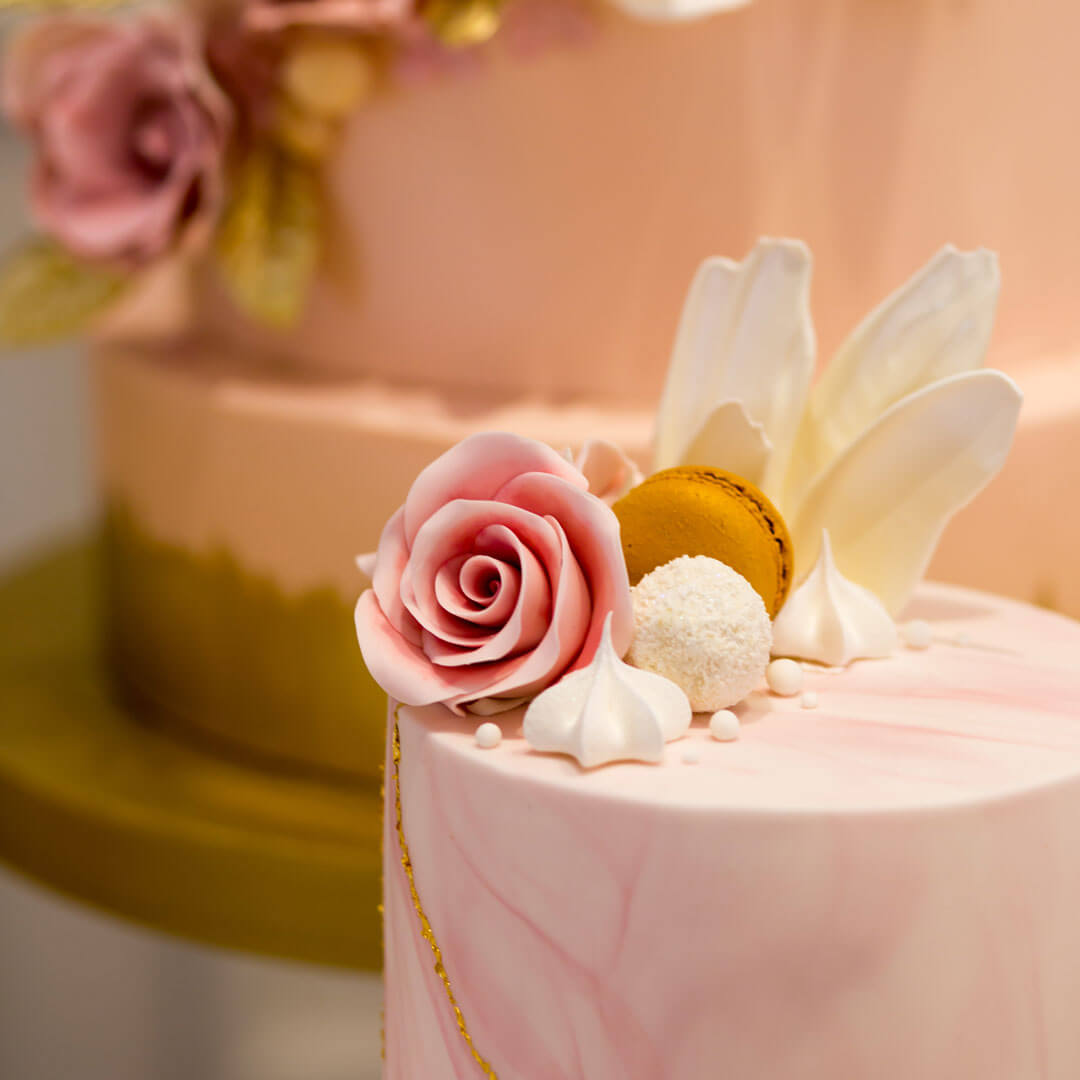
[809, 699]
[608, 711]
[724, 725]
[917, 634]
[691, 755]
[784, 677]
[832, 620]
[488, 736]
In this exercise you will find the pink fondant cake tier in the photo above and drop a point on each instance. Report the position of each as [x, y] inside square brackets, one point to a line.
[294, 479]
[885, 886]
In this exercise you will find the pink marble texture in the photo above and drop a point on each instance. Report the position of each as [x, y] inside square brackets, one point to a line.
[886, 886]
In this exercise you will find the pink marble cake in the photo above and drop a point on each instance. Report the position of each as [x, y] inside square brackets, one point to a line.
[687, 775]
[882, 886]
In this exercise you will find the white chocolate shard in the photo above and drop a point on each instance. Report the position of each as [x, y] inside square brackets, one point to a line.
[901, 431]
[607, 712]
[936, 325]
[831, 620]
[728, 438]
[744, 335]
[887, 498]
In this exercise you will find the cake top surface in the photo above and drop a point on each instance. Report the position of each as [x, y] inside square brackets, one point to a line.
[989, 711]
[783, 518]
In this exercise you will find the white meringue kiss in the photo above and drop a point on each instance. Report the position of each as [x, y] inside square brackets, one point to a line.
[832, 620]
[607, 712]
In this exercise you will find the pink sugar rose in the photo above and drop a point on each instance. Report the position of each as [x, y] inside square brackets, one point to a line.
[271, 15]
[129, 130]
[493, 580]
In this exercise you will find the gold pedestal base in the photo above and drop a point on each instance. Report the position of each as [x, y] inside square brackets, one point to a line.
[101, 806]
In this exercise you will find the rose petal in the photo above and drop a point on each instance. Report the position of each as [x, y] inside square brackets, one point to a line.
[269, 16]
[391, 558]
[593, 533]
[399, 667]
[29, 74]
[477, 468]
[451, 532]
[527, 622]
[531, 672]
[461, 591]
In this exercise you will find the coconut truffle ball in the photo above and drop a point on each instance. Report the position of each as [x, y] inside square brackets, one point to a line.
[700, 624]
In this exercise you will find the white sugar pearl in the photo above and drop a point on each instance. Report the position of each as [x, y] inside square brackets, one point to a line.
[809, 699]
[785, 677]
[724, 725]
[488, 736]
[691, 754]
[917, 634]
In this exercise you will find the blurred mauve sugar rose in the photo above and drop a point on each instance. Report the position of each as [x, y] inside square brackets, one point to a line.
[273, 15]
[129, 131]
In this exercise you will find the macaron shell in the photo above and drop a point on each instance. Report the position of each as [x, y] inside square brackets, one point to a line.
[696, 510]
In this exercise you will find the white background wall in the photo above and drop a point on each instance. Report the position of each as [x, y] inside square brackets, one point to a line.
[83, 996]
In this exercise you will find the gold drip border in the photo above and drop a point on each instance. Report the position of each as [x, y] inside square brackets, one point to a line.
[425, 925]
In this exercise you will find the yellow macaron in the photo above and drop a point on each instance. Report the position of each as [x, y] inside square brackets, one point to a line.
[695, 510]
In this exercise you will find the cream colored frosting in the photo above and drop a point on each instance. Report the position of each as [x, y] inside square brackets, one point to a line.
[608, 711]
[832, 620]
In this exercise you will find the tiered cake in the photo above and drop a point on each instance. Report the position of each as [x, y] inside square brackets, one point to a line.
[621, 841]
[445, 241]
[510, 246]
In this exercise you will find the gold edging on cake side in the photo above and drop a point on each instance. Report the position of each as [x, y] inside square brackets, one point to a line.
[223, 656]
[425, 926]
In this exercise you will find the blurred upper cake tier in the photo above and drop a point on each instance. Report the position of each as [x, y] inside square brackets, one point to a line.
[527, 222]
[389, 196]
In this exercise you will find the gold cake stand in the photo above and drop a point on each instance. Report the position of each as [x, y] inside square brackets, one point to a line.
[100, 805]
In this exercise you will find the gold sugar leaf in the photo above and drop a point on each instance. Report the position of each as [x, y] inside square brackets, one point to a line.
[462, 24]
[47, 294]
[270, 238]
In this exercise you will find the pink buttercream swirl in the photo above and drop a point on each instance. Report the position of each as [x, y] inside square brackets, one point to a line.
[493, 580]
[129, 131]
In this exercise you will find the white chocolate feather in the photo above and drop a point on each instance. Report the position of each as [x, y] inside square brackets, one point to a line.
[886, 499]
